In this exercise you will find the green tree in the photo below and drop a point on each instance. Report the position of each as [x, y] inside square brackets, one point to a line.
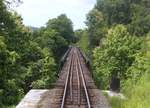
[115, 55]
[10, 91]
[51, 39]
[41, 74]
[20, 58]
[83, 40]
[115, 11]
[62, 25]
[136, 86]
[96, 27]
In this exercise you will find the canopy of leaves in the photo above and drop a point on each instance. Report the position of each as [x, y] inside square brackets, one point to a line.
[63, 25]
[124, 51]
[28, 58]
[137, 86]
[83, 40]
[96, 27]
[132, 13]
[115, 55]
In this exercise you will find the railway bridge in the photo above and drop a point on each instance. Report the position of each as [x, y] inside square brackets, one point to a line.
[74, 88]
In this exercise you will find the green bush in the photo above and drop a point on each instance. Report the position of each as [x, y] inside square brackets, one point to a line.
[137, 86]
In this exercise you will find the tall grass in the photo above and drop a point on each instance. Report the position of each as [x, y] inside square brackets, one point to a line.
[138, 95]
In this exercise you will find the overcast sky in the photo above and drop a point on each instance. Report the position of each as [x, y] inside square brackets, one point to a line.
[37, 12]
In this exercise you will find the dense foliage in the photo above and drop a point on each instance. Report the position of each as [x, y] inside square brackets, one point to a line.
[107, 13]
[97, 28]
[82, 40]
[119, 37]
[117, 40]
[28, 57]
[56, 36]
[137, 86]
[63, 25]
[115, 55]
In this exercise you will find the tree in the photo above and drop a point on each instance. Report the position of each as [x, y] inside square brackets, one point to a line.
[136, 86]
[51, 39]
[114, 56]
[8, 81]
[96, 27]
[62, 25]
[133, 13]
[21, 57]
[83, 40]
[140, 24]
[10, 67]
[115, 11]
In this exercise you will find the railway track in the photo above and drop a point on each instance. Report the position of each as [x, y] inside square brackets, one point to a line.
[75, 87]
[75, 91]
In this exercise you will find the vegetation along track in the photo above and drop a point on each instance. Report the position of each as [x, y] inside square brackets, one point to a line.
[76, 88]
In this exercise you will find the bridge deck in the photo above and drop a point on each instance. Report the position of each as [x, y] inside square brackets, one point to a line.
[53, 98]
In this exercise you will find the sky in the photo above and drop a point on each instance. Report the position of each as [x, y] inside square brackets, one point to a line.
[37, 12]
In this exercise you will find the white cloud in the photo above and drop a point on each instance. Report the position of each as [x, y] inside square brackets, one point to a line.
[37, 12]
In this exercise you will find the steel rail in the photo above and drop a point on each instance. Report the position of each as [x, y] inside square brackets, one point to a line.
[71, 80]
[83, 80]
[66, 83]
[78, 78]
